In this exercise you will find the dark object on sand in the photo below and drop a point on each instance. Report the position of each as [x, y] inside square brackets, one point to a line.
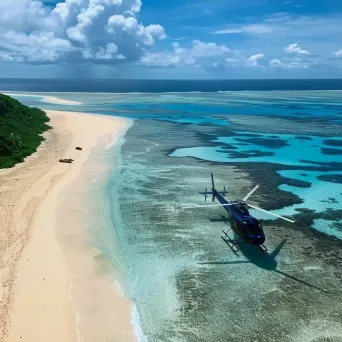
[79, 148]
[66, 160]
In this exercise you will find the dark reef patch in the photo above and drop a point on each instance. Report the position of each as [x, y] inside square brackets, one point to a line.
[309, 215]
[332, 142]
[289, 125]
[331, 178]
[330, 200]
[322, 243]
[331, 151]
[335, 166]
[297, 183]
[269, 179]
[251, 135]
[247, 154]
[227, 147]
[270, 143]
[303, 137]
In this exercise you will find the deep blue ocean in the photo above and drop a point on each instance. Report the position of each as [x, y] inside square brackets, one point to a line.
[164, 86]
[286, 136]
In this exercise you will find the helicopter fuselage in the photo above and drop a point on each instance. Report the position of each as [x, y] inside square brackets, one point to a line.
[246, 226]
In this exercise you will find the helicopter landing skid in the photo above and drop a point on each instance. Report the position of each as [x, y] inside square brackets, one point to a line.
[230, 243]
[263, 248]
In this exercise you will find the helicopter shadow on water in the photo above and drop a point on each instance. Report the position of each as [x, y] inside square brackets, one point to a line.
[263, 260]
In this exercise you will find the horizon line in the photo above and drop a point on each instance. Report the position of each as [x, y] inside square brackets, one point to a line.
[173, 79]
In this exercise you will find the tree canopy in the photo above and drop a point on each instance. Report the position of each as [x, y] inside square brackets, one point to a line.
[20, 130]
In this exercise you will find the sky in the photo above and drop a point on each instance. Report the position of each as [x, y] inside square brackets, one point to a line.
[175, 39]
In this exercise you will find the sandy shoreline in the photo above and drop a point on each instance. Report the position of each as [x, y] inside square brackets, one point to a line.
[43, 295]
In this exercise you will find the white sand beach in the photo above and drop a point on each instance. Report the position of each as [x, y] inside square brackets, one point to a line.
[48, 287]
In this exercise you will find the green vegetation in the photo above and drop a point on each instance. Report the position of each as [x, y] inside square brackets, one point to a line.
[20, 130]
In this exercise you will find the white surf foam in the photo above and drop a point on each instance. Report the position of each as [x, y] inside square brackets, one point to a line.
[112, 143]
[137, 325]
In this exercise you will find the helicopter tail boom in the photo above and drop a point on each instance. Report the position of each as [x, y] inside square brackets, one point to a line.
[213, 191]
[206, 193]
[212, 181]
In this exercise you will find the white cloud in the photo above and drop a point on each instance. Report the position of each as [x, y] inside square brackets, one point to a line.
[285, 25]
[240, 61]
[107, 53]
[295, 48]
[199, 52]
[34, 47]
[74, 30]
[23, 15]
[338, 54]
[276, 63]
[320, 32]
[292, 63]
[7, 57]
[254, 60]
[248, 29]
[132, 34]
[202, 49]
[85, 20]
[280, 17]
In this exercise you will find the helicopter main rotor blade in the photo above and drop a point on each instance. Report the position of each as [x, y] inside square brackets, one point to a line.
[209, 205]
[250, 193]
[268, 212]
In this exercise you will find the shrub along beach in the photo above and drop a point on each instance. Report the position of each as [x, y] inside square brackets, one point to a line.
[20, 130]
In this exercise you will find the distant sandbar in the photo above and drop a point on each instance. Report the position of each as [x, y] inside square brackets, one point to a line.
[46, 98]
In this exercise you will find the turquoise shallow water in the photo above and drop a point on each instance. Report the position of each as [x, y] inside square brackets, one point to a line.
[185, 282]
[293, 150]
[321, 195]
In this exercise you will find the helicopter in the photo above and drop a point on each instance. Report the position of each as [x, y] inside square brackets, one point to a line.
[248, 229]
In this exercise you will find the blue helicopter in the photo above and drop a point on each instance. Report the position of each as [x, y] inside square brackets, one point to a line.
[248, 229]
